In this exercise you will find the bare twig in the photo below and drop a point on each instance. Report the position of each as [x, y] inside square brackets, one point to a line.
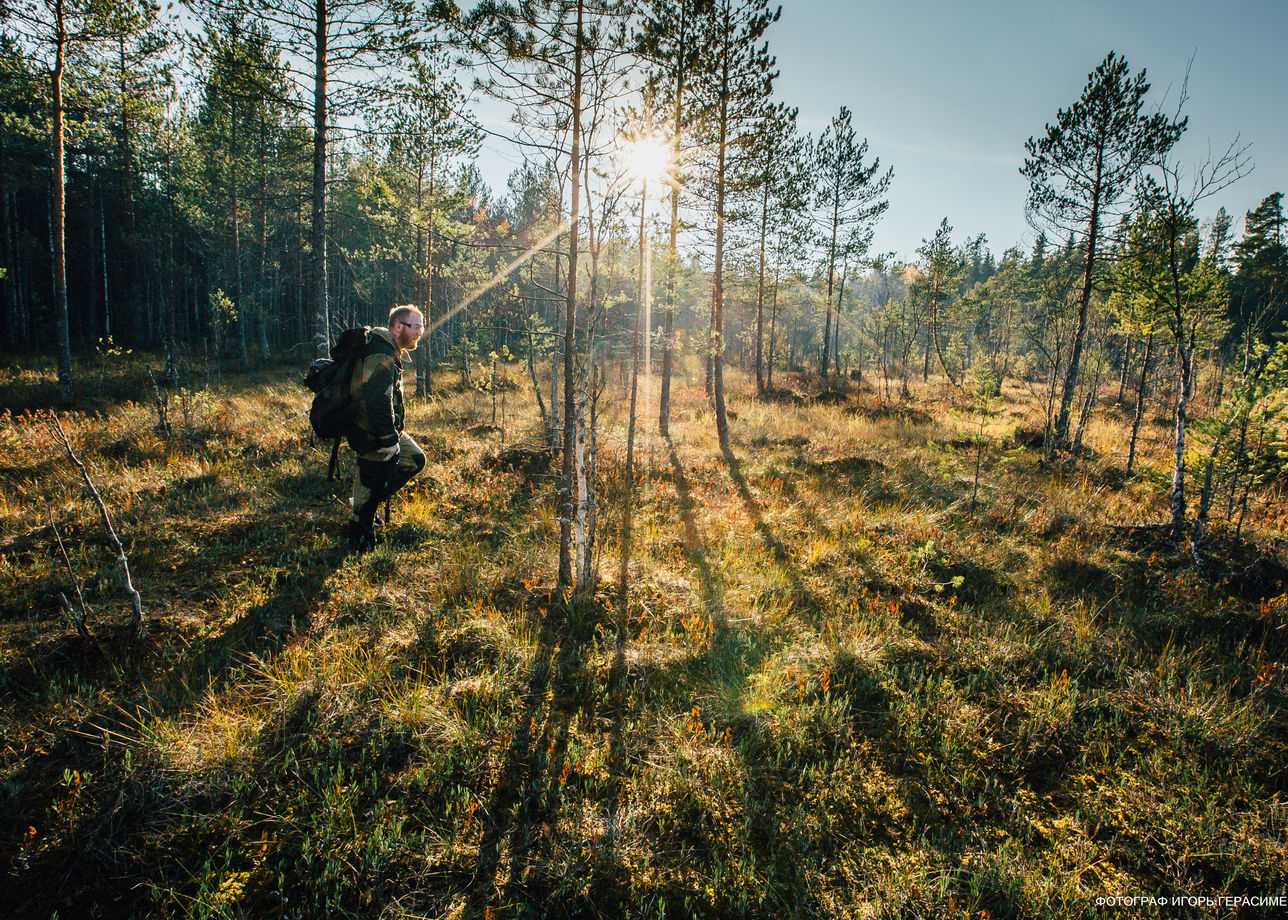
[79, 618]
[107, 525]
[162, 404]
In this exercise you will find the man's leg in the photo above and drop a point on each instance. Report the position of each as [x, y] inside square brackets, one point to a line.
[369, 489]
[377, 480]
[411, 460]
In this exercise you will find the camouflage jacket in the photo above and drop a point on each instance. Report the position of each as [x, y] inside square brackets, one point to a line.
[377, 393]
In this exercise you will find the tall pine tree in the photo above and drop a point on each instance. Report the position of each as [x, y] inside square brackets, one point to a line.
[1080, 171]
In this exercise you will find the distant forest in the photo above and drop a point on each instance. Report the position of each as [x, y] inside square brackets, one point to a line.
[239, 181]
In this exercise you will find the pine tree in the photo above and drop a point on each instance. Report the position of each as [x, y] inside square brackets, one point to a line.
[941, 272]
[556, 63]
[52, 30]
[731, 89]
[849, 193]
[1193, 289]
[427, 133]
[775, 157]
[1080, 171]
[1260, 295]
[667, 40]
[337, 42]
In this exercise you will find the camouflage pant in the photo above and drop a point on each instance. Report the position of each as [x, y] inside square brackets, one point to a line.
[376, 481]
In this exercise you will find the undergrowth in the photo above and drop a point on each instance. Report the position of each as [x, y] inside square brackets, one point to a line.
[886, 664]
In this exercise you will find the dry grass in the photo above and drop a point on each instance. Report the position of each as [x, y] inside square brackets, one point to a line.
[842, 688]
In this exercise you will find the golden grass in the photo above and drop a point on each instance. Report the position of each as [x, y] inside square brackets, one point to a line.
[839, 689]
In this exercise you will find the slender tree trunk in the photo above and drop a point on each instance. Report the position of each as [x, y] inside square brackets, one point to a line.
[1122, 374]
[668, 324]
[127, 261]
[421, 350]
[555, 340]
[836, 326]
[668, 316]
[1061, 432]
[321, 314]
[709, 377]
[1084, 415]
[760, 285]
[10, 281]
[1205, 494]
[22, 286]
[532, 372]
[1184, 358]
[1218, 390]
[831, 273]
[1140, 401]
[235, 215]
[585, 533]
[58, 210]
[623, 584]
[261, 273]
[717, 278]
[425, 235]
[1178, 469]
[102, 240]
[773, 328]
[566, 503]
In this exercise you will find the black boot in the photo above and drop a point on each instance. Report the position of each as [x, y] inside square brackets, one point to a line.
[375, 476]
[362, 537]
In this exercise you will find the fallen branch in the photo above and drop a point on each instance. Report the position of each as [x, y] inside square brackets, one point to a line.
[78, 618]
[107, 525]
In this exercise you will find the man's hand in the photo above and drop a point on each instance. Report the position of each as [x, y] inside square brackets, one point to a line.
[385, 454]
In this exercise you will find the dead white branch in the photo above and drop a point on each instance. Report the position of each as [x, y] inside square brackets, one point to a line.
[107, 525]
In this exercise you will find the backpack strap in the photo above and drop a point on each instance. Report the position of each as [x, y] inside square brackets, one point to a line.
[335, 459]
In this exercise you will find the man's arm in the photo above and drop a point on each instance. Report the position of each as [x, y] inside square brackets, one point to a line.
[377, 396]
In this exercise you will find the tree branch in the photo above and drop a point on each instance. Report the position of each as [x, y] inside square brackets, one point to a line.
[107, 525]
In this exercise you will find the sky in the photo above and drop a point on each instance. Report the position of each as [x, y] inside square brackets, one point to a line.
[947, 92]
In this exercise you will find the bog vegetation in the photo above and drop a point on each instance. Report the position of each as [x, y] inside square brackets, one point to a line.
[753, 572]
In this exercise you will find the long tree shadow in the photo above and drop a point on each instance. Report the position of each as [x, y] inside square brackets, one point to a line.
[694, 547]
[525, 799]
[781, 555]
[522, 834]
[146, 681]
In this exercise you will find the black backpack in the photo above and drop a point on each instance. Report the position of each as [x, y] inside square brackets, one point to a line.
[332, 410]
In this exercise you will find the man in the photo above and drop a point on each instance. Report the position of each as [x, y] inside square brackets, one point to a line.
[387, 456]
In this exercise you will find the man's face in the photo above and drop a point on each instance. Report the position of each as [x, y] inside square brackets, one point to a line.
[408, 332]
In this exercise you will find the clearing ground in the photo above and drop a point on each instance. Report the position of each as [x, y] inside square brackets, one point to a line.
[884, 665]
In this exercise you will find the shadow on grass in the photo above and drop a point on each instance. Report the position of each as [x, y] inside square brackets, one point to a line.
[1167, 592]
[140, 682]
[101, 388]
[694, 547]
[846, 475]
[782, 557]
[525, 802]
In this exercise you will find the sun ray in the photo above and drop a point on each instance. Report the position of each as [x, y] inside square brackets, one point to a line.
[499, 276]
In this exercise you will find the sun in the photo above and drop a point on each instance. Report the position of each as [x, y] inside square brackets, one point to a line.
[646, 158]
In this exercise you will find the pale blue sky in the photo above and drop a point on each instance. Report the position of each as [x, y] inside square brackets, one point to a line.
[948, 91]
